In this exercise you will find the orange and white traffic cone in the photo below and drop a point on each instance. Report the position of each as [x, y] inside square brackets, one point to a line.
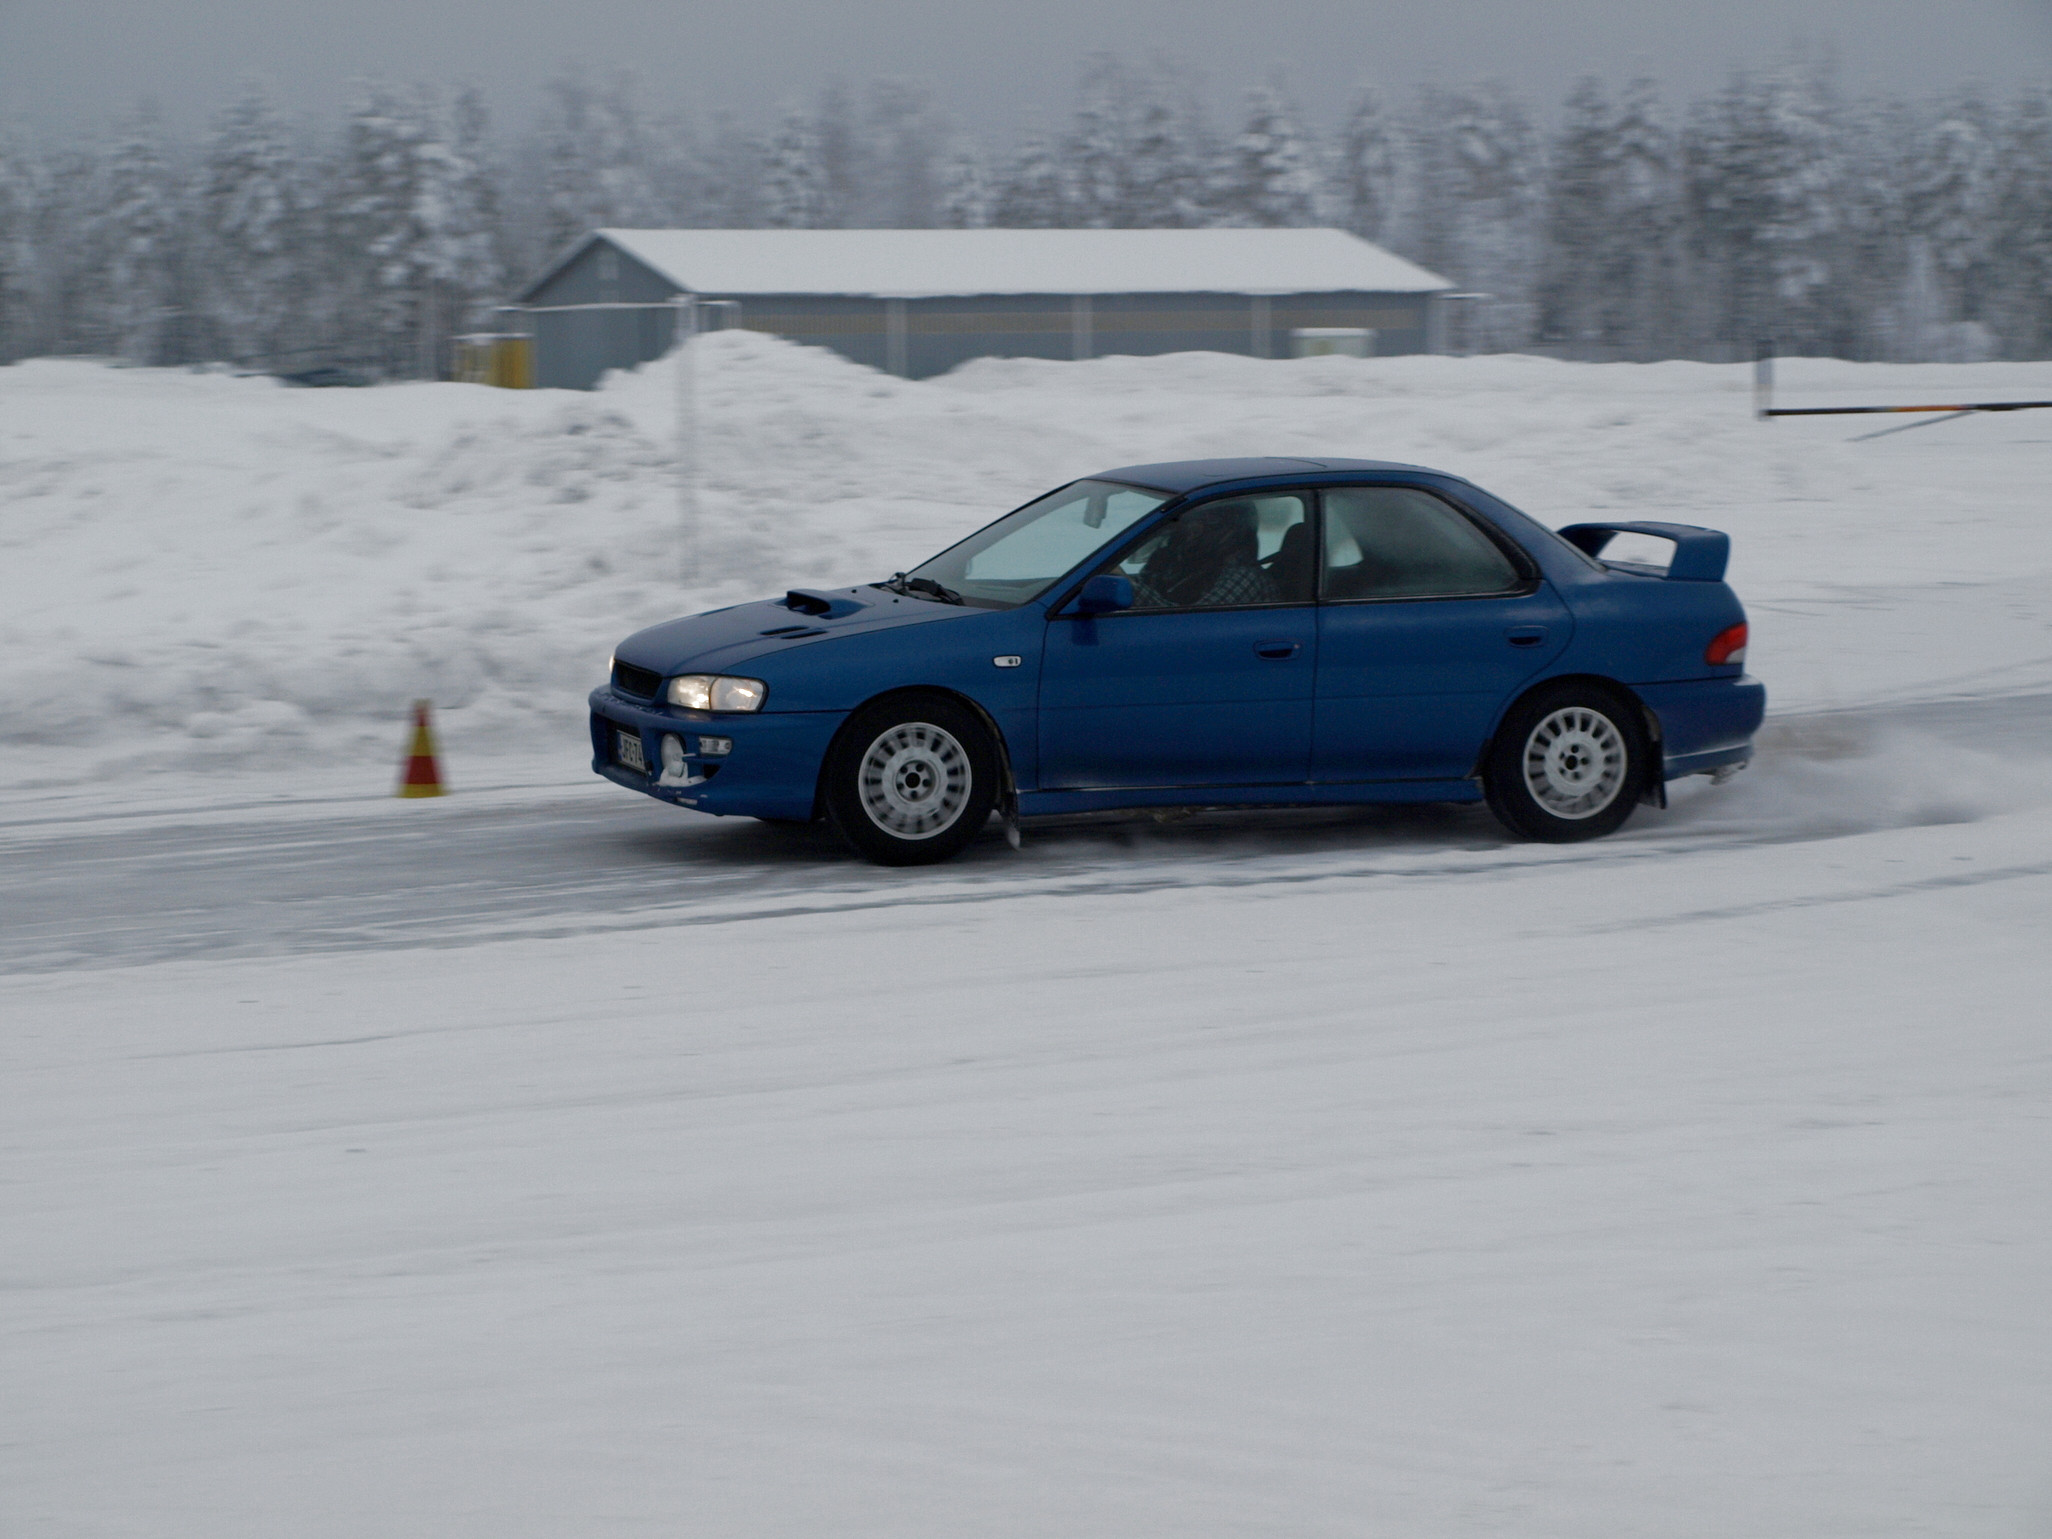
[423, 776]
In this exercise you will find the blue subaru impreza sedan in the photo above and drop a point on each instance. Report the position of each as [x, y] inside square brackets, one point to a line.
[1252, 632]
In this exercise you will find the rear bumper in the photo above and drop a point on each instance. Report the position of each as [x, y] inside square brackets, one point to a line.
[1705, 724]
[772, 771]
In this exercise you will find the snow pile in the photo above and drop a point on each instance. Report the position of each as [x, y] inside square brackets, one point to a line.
[202, 570]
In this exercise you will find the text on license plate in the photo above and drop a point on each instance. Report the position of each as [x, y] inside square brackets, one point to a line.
[629, 751]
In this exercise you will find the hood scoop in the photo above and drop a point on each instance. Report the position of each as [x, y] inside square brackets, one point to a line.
[795, 632]
[821, 605]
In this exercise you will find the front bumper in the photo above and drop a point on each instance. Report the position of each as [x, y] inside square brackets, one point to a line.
[771, 772]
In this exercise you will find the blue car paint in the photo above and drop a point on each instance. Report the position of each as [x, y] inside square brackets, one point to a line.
[1329, 702]
[1194, 698]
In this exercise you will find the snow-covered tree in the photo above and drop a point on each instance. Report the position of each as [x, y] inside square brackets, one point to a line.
[136, 238]
[1879, 143]
[1479, 207]
[965, 195]
[1861, 228]
[405, 211]
[1765, 181]
[675, 167]
[1269, 176]
[1640, 247]
[904, 135]
[1607, 270]
[1034, 193]
[793, 178]
[253, 239]
[2022, 247]
[1952, 202]
[596, 162]
[729, 179]
[1165, 177]
[1803, 227]
[842, 158]
[371, 222]
[1365, 175]
[1099, 148]
[477, 222]
[1170, 156]
[18, 286]
[1574, 288]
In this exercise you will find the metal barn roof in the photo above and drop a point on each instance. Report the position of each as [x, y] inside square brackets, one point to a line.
[910, 264]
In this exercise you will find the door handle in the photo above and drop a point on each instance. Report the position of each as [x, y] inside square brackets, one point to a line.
[1525, 635]
[1277, 649]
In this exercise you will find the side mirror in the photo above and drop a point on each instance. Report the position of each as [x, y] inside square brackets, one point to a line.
[1104, 593]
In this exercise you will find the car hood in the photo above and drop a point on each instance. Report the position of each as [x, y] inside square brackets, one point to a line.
[722, 640]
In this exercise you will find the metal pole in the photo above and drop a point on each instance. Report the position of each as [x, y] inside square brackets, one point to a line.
[1956, 408]
[1763, 376]
[687, 440]
[894, 337]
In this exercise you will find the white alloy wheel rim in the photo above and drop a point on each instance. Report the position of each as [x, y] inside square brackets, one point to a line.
[1575, 762]
[915, 780]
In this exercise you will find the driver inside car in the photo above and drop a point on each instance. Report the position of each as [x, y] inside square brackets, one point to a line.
[1211, 558]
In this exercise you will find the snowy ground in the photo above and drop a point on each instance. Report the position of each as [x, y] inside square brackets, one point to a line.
[543, 1161]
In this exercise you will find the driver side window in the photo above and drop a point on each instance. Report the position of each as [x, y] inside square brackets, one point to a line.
[1229, 554]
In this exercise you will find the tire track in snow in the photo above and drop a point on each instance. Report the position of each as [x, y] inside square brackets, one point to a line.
[349, 877]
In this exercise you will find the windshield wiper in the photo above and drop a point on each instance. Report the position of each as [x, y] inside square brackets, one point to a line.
[920, 587]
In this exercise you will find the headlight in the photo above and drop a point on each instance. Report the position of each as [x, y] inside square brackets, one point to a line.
[716, 692]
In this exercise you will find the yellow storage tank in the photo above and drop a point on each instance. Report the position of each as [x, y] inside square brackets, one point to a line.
[501, 358]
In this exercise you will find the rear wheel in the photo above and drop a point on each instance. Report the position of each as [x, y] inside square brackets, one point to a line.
[1568, 764]
[913, 780]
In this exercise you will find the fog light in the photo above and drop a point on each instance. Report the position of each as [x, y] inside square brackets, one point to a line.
[714, 747]
[673, 756]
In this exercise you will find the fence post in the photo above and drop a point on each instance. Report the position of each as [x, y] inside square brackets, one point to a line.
[894, 337]
[687, 439]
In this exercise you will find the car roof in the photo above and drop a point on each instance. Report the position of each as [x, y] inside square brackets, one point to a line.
[1192, 475]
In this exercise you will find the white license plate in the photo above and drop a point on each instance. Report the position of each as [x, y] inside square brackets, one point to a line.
[629, 751]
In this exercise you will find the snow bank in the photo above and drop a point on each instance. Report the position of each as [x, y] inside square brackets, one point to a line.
[203, 571]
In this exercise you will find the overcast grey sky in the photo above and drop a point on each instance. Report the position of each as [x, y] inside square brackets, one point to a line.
[994, 66]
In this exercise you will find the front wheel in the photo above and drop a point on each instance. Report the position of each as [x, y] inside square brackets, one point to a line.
[1568, 764]
[912, 781]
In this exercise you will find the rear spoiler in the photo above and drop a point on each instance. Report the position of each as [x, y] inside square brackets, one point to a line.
[1699, 554]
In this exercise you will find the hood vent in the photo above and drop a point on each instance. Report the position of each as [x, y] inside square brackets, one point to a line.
[821, 605]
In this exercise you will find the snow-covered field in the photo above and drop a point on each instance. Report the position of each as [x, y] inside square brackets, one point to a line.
[542, 1161]
[203, 571]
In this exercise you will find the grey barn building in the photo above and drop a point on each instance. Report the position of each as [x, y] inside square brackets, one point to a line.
[919, 302]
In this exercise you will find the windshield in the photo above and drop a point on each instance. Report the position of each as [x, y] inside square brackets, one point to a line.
[1021, 555]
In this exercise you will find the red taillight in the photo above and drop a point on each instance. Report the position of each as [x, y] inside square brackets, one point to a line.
[1728, 646]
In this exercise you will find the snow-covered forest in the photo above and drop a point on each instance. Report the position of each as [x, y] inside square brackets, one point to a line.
[1617, 224]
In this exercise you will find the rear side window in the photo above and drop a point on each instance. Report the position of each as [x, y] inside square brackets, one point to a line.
[1385, 542]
